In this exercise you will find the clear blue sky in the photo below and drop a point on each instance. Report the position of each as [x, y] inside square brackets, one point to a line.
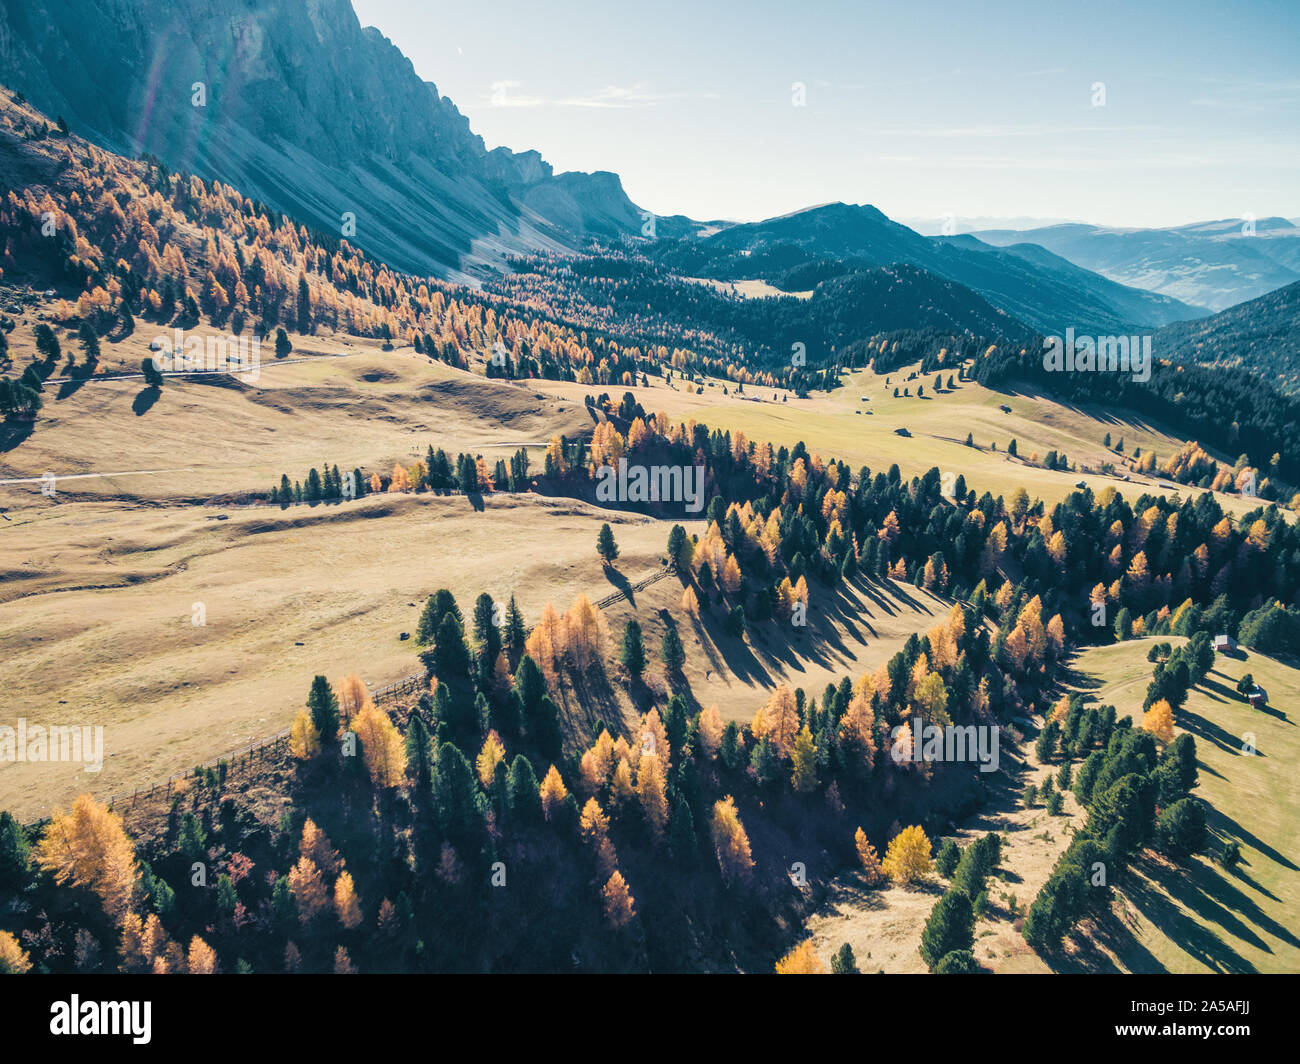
[923, 109]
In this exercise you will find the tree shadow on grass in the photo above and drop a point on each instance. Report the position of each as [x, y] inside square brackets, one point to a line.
[1095, 945]
[1240, 873]
[1209, 731]
[595, 702]
[621, 583]
[144, 402]
[77, 376]
[12, 433]
[1225, 827]
[1155, 885]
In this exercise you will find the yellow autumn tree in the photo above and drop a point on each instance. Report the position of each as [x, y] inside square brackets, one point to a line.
[801, 961]
[778, 720]
[1031, 621]
[943, 645]
[731, 575]
[154, 941]
[130, 943]
[1159, 721]
[401, 479]
[201, 958]
[654, 737]
[346, 906]
[351, 693]
[382, 747]
[857, 727]
[555, 452]
[595, 829]
[908, 856]
[89, 848]
[1056, 548]
[651, 791]
[606, 445]
[872, 870]
[935, 577]
[304, 739]
[553, 792]
[889, 528]
[710, 731]
[545, 643]
[730, 842]
[618, 900]
[1017, 647]
[691, 601]
[586, 634]
[931, 698]
[637, 435]
[143, 942]
[308, 889]
[595, 765]
[13, 960]
[622, 787]
[491, 755]
[314, 844]
[803, 759]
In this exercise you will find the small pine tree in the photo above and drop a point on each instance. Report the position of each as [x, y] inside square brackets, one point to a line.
[671, 651]
[950, 927]
[324, 709]
[89, 341]
[633, 651]
[945, 861]
[605, 545]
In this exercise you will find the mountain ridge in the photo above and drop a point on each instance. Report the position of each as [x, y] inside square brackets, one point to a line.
[260, 100]
[1046, 294]
[1258, 335]
[1210, 263]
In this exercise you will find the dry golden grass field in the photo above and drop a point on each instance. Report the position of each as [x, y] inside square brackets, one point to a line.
[98, 584]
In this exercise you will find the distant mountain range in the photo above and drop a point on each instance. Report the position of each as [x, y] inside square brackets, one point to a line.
[954, 224]
[1042, 290]
[1260, 336]
[1209, 264]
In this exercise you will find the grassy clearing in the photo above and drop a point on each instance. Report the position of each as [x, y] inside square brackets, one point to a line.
[368, 410]
[1203, 918]
[96, 620]
[842, 425]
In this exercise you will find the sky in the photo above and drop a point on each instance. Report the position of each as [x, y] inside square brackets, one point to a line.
[1123, 114]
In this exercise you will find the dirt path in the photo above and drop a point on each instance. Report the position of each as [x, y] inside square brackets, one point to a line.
[884, 926]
